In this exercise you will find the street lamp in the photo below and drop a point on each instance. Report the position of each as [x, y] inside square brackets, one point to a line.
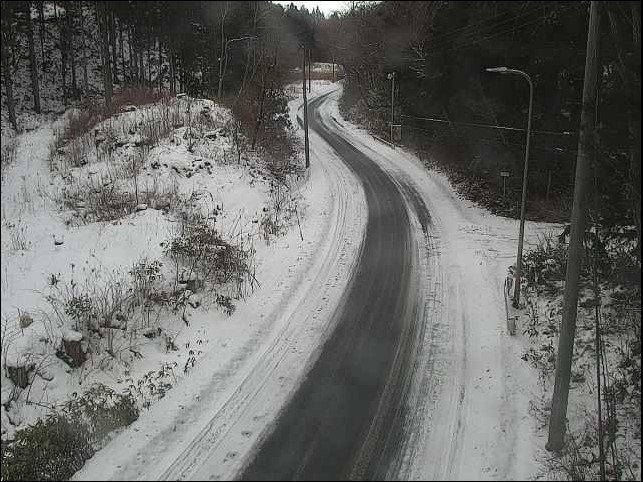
[505, 70]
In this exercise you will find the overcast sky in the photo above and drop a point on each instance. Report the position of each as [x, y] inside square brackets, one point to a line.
[326, 7]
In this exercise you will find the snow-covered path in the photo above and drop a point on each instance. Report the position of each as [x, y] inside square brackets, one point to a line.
[204, 426]
[464, 410]
[468, 414]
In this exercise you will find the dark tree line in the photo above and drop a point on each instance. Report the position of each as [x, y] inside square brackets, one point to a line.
[239, 50]
[439, 52]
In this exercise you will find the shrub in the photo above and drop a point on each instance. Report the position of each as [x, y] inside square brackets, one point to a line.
[102, 410]
[200, 249]
[201, 257]
[58, 446]
[51, 449]
[98, 306]
[153, 385]
[547, 261]
[7, 154]
[99, 202]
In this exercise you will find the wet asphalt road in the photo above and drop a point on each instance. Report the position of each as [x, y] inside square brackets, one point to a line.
[345, 420]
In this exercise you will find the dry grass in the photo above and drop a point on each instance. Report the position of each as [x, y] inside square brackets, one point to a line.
[90, 115]
[7, 154]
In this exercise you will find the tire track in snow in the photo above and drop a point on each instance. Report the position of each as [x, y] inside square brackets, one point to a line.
[233, 408]
[211, 455]
[347, 418]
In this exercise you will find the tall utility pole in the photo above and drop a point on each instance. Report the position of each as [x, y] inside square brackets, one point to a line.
[309, 70]
[392, 77]
[557, 422]
[333, 67]
[303, 72]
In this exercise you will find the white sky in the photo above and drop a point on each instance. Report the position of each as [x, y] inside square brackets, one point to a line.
[326, 7]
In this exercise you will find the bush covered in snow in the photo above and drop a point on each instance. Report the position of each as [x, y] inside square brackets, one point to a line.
[610, 297]
[56, 447]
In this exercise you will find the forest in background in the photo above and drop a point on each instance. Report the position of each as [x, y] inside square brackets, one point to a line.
[244, 52]
[439, 52]
[101, 55]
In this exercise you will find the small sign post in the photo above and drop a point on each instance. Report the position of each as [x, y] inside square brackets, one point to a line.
[504, 175]
[396, 132]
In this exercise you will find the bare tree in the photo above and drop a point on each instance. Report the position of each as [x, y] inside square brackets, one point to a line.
[629, 69]
[41, 17]
[35, 87]
[85, 58]
[7, 43]
[103, 17]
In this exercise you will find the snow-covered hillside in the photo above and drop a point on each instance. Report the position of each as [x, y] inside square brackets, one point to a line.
[158, 240]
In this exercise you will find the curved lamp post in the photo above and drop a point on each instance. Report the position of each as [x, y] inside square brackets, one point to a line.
[506, 70]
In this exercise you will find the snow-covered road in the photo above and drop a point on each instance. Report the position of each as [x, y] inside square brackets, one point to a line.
[420, 381]
[445, 396]
[466, 412]
[205, 427]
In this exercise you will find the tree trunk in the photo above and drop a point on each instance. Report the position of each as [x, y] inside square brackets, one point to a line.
[35, 88]
[172, 66]
[629, 68]
[41, 16]
[107, 72]
[63, 54]
[112, 42]
[223, 52]
[7, 40]
[634, 118]
[160, 77]
[69, 17]
[133, 66]
[148, 45]
[84, 43]
[141, 65]
[121, 43]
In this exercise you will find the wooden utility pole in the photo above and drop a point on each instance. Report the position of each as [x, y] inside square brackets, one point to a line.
[303, 72]
[557, 422]
[333, 69]
[392, 77]
[309, 70]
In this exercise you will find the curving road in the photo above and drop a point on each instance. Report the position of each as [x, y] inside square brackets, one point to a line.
[346, 419]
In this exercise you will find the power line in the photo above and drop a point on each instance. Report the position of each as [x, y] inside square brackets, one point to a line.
[440, 136]
[439, 49]
[444, 38]
[489, 126]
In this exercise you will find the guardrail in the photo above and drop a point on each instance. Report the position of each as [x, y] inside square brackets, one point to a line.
[384, 141]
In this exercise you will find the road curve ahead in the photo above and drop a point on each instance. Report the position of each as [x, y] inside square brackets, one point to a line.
[345, 420]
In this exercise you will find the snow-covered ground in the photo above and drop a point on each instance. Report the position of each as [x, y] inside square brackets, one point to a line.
[473, 391]
[44, 241]
[482, 405]
[219, 412]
